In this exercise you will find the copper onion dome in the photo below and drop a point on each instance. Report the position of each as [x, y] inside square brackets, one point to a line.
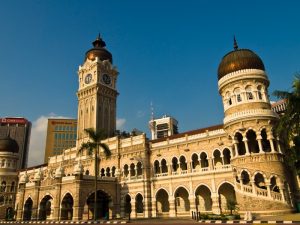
[8, 145]
[99, 51]
[239, 59]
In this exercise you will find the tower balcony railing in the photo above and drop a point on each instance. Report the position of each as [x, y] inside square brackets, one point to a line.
[249, 113]
[203, 170]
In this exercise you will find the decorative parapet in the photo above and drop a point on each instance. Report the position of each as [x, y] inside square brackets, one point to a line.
[134, 140]
[242, 74]
[250, 113]
[192, 137]
[257, 157]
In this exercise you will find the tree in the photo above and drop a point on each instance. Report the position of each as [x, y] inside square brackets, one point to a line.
[288, 127]
[231, 205]
[93, 146]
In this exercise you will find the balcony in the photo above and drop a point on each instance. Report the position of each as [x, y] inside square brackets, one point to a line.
[196, 171]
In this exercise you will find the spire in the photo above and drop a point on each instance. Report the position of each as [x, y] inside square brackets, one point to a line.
[99, 42]
[235, 45]
[152, 111]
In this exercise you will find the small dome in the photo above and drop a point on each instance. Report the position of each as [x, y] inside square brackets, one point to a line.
[239, 59]
[99, 51]
[8, 145]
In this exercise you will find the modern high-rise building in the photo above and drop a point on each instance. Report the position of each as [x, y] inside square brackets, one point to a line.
[61, 134]
[18, 129]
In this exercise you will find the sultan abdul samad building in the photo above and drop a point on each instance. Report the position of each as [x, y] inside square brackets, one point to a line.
[200, 170]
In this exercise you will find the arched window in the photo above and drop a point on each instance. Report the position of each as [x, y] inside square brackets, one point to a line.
[108, 172]
[217, 158]
[252, 142]
[260, 181]
[203, 160]
[237, 93]
[240, 144]
[156, 167]
[164, 167]
[245, 178]
[113, 171]
[175, 164]
[259, 94]
[195, 161]
[265, 142]
[183, 165]
[132, 170]
[12, 187]
[226, 156]
[139, 169]
[126, 170]
[3, 186]
[102, 172]
[228, 98]
[249, 93]
[274, 186]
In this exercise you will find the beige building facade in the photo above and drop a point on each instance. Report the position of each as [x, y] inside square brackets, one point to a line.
[61, 135]
[201, 170]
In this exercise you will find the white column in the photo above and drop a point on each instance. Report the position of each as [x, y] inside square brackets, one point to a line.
[245, 140]
[268, 184]
[272, 145]
[234, 142]
[259, 138]
[278, 145]
[271, 138]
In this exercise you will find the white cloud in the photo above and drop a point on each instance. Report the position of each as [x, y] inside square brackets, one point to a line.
[38, 139]
[120, 123]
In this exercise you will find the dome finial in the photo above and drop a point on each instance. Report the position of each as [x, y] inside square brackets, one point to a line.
[99, 42]
[235, 45]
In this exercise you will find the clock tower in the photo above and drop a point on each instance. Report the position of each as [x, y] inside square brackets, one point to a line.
[97, 93]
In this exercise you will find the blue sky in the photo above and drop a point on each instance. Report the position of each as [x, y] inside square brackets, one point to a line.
[167, 52]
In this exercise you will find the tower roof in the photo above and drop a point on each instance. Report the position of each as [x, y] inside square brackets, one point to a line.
[239, 59]
[99, 51]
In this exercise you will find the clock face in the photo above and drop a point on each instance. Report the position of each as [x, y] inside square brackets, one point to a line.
[88, 78]
[106, 79]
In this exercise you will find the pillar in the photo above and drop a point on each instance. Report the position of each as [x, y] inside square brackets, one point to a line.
[170, 169]
[279, 146]
[172, 212]
[123, 207]
[192, 200]
[56, 200]
[35, 205]
[268, 184]
[234, 142]
[154, 211]
[281, 189]
[77, 208]
[20, 202]
[215, 203]
[259, 138]
[272, 145]
[246, 145]
[211, 163]
[133, 209]
[241, 182]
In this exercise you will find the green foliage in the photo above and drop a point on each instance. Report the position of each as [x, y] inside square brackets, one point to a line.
[288, 127]
[231, 205]
[95, 142]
